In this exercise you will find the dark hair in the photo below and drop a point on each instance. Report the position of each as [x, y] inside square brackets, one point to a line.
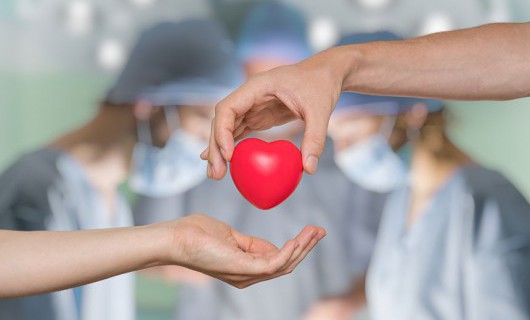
[431, 135]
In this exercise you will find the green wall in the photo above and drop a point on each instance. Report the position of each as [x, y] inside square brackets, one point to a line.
[35, 108]
[496, 134]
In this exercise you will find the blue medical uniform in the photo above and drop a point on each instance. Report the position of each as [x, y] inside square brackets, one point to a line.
[466, 257]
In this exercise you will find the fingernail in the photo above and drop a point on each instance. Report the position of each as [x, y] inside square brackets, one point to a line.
[311, 164]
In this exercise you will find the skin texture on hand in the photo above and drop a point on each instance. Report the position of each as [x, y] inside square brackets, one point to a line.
[483, 63]
[44, 261]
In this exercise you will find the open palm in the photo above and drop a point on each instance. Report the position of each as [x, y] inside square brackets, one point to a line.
[216, 249]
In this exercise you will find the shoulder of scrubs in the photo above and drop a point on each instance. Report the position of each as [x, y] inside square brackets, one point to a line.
[497, 280]
[501, 212]
[24, 201]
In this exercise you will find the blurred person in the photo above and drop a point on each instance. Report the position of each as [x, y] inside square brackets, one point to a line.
[75, 179]
[402, 260]
[72, 183]
[483, 63]
[372, 155]
[272, 35]
[454, 243]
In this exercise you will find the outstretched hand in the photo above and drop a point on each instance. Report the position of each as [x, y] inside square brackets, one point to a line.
[308, 90]
[207, 245]
[66, 259]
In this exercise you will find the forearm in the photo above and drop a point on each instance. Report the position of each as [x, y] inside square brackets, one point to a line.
[37, 262]
[490, 62]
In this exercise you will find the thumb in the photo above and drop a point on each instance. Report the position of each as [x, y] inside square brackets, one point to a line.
[316, 128]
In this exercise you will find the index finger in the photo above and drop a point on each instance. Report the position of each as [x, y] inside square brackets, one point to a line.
[236, 104]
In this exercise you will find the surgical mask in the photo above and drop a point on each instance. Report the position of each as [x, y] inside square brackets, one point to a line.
[171, 170]
[372, 164]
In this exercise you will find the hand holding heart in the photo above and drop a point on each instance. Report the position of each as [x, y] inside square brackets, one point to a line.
[308, 90]
[266, 173]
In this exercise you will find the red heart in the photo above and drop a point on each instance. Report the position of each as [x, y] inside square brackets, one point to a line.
[266, 173]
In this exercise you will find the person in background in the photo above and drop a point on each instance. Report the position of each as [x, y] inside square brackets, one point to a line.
[372, 154]
[72, 183]
[453, 244]
[272, 35]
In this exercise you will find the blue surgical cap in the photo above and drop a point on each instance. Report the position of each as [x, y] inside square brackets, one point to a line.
[378, 105]
[185, 63]
[274, 31]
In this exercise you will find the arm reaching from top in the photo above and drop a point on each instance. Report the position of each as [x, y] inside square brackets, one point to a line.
[43, 261]
[490, 62]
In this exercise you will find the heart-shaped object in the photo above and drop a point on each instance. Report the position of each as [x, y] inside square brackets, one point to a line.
[266, 173]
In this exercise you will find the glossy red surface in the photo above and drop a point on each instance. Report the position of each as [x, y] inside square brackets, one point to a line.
[266, 173]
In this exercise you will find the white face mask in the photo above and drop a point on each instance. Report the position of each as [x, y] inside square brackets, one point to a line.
[372, 165]
[173, 169]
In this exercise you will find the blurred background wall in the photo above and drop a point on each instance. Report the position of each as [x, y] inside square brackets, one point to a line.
[57, 58]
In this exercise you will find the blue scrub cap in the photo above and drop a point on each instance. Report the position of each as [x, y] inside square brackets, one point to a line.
[185, 63]
[274, 31]
[378, 105]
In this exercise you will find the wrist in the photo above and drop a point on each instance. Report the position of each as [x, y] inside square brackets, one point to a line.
[345, 62]
[162, 244]
[173, 242]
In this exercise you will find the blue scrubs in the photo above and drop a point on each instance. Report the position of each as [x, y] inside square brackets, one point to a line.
[467, 256]
[47, 190]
